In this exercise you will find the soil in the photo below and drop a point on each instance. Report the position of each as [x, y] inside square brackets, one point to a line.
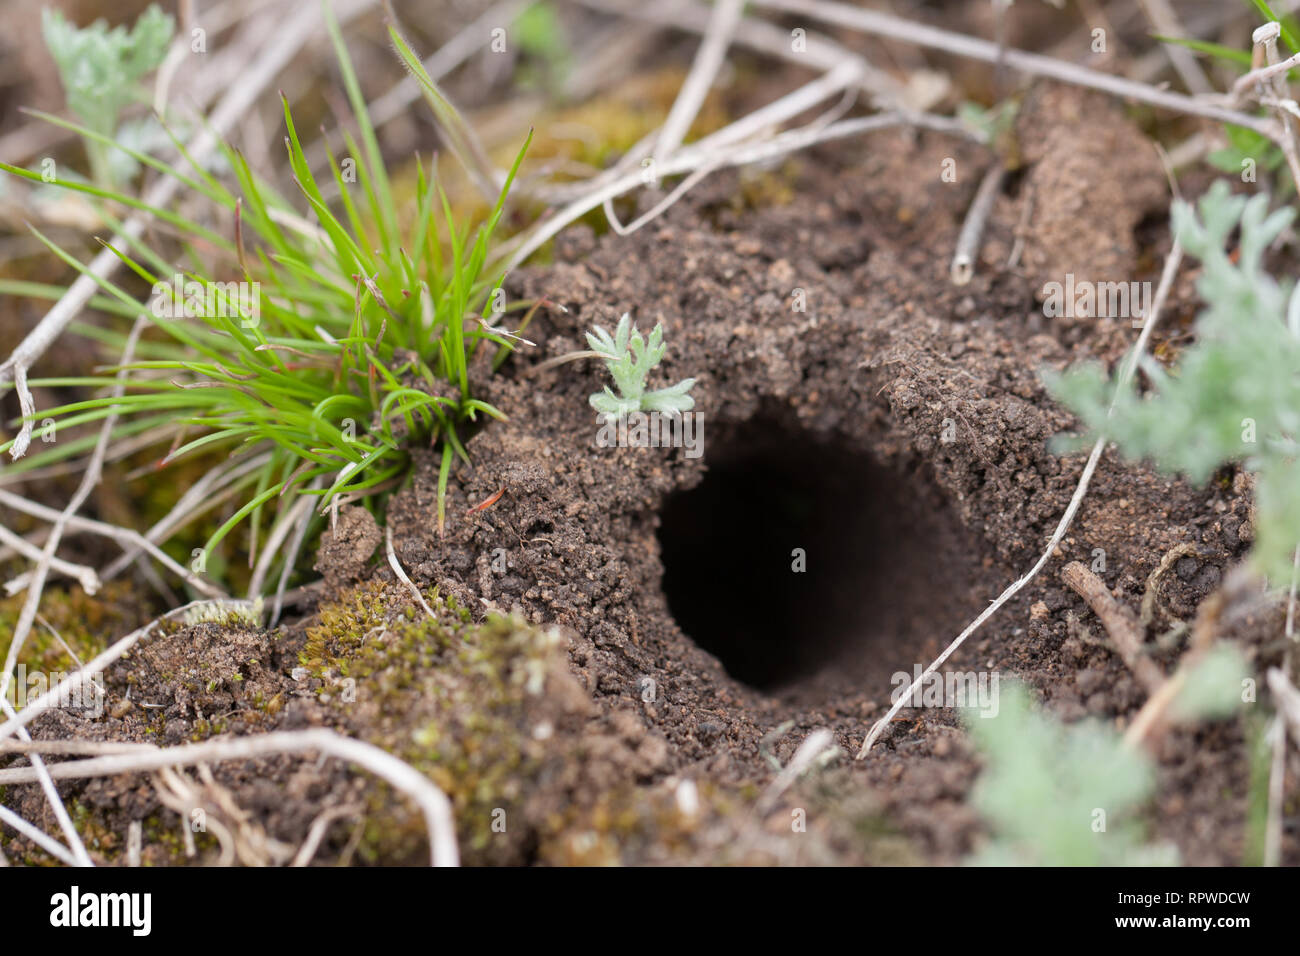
[346, 546]
[659, 650]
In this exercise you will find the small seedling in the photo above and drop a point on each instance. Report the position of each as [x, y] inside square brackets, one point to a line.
[101, 70]
[630, 358]
[1235, 395]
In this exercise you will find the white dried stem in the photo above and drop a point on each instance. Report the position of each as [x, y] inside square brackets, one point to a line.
[972, 230]
[840, 77]
[87, 577]
[1276, 777]
[319, 827]
[285, 524]
[119, 449]
[206, 493]
[70, 686]
[401, 574]
[1277, 773]
[1286, 697]
[134, 842]
[1126, 373]
[290, 559]
[1165, 21]
[78, 848]
[688, 160]
[450, 55]
[125, 537]
[51, 846]
[36, 584]
[697, 175]
[875, 23]
[704, 70]
[659, 208]
[819, 52]
[812, 747]
[1284, 107]
[1247, 83]
[433, 803]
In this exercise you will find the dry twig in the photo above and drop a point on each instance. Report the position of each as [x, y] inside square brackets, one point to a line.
[432, 802]
[1126, 374]
[401, 575]
[708, 61]
[1034, 64]
[813, 746]
[972, 230]
[1120, 623]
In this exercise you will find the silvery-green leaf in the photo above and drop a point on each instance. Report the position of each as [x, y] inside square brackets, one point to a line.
[1212, 689]
[621, 333]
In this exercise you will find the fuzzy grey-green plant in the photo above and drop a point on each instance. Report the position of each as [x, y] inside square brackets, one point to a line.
[101, 69]
[630, 358]
[1059, 796]
[1056, 795]
[1235, 394]
[1212, 688]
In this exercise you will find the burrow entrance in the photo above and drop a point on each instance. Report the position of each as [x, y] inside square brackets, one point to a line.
[803, 563]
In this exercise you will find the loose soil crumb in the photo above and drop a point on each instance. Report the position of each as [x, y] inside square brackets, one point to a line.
[346, 546]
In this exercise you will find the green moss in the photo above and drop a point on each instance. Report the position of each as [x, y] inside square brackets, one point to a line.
[85, 623]
[164, 845]
[638, 823]
[343, 625]
[455, 699]
[480, 709]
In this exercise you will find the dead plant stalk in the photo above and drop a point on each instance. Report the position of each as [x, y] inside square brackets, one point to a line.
[1162, 293]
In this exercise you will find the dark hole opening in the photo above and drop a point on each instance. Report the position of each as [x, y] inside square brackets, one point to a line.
[886, 566]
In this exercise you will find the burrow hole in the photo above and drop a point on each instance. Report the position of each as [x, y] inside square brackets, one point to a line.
[887, 568]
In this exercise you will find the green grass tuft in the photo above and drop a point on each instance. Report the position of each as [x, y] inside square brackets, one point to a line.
[319, 331]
